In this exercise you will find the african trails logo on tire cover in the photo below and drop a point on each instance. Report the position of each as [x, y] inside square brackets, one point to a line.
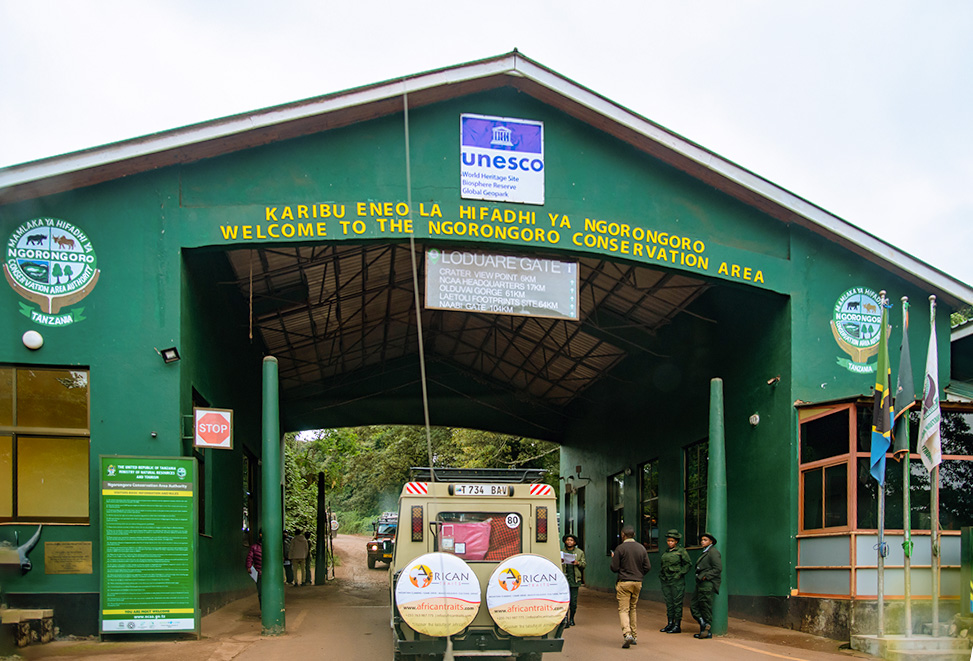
[856, 321]
[437, 594]
[52, 265]
[528, 595]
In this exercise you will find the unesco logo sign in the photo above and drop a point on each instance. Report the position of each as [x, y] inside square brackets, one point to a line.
[51, 263]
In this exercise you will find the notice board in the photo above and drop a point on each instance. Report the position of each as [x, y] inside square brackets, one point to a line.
[148, 545]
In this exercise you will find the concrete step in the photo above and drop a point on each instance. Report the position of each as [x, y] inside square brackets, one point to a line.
[927, 648]
[29, 625]
[927, 655]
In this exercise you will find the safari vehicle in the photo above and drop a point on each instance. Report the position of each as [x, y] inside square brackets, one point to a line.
[379, 548]
[487, 518]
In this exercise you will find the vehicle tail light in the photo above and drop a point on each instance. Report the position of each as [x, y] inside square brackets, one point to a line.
[417, 523]
[540, 523]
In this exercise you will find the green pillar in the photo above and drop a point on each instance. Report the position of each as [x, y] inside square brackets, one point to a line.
[271, 478]
[716, 499]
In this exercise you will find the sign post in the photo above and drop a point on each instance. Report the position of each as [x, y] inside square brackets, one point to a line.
[148, 545]
[213, 428]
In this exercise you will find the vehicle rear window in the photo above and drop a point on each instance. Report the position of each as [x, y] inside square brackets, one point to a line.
[480, 536]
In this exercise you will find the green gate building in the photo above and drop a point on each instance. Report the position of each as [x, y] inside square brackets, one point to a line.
[149, 278]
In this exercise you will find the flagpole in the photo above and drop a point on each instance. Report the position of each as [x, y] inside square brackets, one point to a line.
[881, 559]
[935, 551]
[881, 496]
[934, 532]
[906, 487]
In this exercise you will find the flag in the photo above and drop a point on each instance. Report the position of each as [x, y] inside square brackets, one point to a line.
[930, 448]
[905, 392]
[882, 408]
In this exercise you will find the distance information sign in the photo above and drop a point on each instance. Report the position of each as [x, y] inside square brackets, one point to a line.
[518, 285]
[148, 545]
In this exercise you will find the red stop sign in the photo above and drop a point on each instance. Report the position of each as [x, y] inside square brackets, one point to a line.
[213, 428]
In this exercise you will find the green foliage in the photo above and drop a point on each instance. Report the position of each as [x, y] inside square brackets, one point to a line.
[365, 467]
[961, 316]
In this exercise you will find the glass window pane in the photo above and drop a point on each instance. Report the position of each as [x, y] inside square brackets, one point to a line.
[618, 490]
[6, 396]
[813, 499]
[836, 496]
[52, 477]
[52, 398]
[649, 489]
[825, 437]
[6, 476]
[867, 495]
[955, 432]
[480, 536]
[955, 494]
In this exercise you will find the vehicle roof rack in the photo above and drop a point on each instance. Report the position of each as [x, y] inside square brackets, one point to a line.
[502, 475]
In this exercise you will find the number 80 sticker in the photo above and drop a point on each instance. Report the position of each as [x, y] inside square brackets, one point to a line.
[513, 521]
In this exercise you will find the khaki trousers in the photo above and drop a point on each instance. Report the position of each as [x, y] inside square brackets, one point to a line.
[627, 593]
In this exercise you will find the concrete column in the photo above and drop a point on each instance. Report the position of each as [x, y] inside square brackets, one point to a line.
[271, 478]
[716, 500]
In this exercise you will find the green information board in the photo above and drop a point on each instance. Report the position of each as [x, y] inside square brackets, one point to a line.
[148, 545]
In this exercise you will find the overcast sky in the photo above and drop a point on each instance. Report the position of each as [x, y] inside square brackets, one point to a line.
[862, 107]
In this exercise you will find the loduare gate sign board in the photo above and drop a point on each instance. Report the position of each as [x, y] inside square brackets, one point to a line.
[520, 285]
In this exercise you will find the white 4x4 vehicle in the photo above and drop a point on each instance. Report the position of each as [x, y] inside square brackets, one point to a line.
[477, 566]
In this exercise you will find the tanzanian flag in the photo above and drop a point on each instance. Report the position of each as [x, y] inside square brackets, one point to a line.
[882, 408]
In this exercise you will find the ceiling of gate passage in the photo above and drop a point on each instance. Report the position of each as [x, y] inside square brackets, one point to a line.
[330, 311]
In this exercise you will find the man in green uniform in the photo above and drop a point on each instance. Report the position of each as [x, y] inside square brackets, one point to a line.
[709, 568]
[675, 564]
[573, 564]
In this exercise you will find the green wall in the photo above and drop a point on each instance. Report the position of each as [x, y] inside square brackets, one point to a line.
[159, 237]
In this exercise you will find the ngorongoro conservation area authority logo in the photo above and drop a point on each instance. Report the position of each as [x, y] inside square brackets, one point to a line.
[51, 263]
[856, 324]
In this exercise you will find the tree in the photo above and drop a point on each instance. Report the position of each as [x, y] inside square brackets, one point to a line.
[365, 467]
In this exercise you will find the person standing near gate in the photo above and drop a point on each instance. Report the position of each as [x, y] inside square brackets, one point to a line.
[299, 550]
[675, 565]
[254, 563]
[709, 569]
[288, 570]
[573, 563]
[631, 563]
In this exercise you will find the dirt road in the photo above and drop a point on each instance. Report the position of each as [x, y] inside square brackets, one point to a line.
[348, 619]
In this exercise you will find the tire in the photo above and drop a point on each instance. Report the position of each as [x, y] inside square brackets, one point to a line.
[530, 656]
[371, 562]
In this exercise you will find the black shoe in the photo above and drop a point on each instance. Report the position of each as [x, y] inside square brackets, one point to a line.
[628, 641]
[571, 623]
[668, 626]
[675, 628]
[702, 635]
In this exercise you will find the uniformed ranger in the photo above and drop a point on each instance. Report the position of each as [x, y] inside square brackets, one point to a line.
[709, 569]
[675, 565]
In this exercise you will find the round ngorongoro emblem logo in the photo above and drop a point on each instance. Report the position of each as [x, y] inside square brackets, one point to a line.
[51, 263]
[856, 322]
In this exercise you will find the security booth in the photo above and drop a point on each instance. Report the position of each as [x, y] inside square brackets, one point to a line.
[581, 274]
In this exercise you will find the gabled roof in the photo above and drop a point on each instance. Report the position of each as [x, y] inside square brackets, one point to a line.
[238, 132]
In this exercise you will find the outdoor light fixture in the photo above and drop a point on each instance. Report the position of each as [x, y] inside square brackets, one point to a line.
[169, 355]
[33, 340]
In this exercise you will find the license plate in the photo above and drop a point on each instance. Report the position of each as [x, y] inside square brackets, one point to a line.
[480, 489]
